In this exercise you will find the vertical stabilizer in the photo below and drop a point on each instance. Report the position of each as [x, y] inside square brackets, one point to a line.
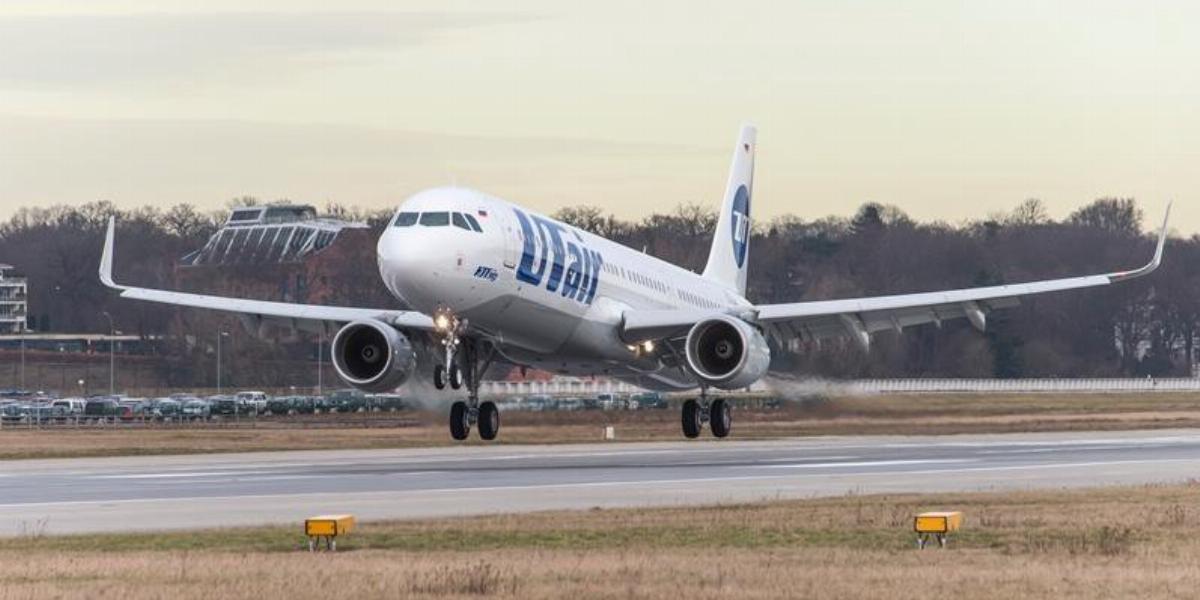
[730, 252]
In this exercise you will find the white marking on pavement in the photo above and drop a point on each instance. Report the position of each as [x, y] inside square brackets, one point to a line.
[594, 484]
[866, 463]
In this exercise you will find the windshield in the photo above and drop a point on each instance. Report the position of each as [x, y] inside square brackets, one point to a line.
[435, 219]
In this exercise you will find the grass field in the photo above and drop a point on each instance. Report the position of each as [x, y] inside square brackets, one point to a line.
[1106, 543]
[930, 414]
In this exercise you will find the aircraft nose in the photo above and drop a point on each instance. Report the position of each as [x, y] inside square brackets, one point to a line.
[406, 259]
[407, 249]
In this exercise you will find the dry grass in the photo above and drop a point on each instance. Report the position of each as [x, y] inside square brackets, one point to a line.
[929, 414]
[1106, 543]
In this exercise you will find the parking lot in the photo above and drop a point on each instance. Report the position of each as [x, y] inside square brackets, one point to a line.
[25, 410]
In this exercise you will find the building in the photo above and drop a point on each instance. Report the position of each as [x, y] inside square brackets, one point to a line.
[14, 306]
[271, 234]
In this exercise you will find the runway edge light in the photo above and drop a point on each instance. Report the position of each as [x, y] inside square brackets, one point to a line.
[938, 524]
[326, 528]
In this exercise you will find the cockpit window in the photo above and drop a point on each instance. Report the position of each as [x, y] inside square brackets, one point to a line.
[474, 224]
[460, 222]
[435, 219]
[406, 219]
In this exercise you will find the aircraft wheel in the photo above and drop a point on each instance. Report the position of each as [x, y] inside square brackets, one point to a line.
[691, 418]
[460, 428]
[456, 376]
[489, 420]
[439, 377]
[720, 418]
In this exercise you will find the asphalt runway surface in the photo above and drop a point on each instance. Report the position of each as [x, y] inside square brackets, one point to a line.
[200, 491]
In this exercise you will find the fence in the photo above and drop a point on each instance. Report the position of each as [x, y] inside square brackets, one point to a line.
[903, 386]
[556, 386]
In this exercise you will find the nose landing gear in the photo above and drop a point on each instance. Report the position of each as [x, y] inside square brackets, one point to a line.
[718, 415]
[462, 367]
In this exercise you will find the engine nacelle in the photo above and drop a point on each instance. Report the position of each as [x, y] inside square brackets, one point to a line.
[372, 356]
[727, 352]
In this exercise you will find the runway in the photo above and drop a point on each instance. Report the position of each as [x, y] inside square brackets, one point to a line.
[179, 492]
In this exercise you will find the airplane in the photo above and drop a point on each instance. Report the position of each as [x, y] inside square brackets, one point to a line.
[487, 281]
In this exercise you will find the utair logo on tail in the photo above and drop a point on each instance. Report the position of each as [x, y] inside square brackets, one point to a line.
[741, 224]
[577, 280]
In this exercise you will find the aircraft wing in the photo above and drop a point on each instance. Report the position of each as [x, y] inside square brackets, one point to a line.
[311, 317]
[860, 317]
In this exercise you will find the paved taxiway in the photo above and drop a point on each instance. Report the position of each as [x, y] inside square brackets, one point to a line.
[120, 494]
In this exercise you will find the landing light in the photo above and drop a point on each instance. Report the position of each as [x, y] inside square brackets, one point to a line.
[441, 322]
[648, 346]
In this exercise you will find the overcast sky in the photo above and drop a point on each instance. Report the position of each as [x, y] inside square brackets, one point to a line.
[951, 110]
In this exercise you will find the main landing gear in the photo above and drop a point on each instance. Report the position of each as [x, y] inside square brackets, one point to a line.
[463, 366]
[698, 412]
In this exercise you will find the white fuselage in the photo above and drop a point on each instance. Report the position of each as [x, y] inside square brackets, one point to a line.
[550, 295]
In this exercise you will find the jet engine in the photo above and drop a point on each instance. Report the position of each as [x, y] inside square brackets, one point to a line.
[372, 356]
[727, 352]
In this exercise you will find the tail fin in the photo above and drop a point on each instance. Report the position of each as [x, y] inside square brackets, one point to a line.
[730, 252]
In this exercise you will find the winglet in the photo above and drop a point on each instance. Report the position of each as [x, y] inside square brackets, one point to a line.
[106, 258]
[1154, 262]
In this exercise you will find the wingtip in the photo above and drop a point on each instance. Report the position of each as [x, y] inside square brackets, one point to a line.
[1162, 237]
[1155, 261]
[106, 257]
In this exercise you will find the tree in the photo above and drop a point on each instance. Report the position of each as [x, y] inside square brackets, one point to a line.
[1029, 213]
[1114, 215]
[587, 218]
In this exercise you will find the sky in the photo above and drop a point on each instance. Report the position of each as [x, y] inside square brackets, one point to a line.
[950, 110]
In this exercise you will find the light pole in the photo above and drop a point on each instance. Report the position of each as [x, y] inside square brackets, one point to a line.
[112, 356]
[320, 357]
[23, 334]
[220, 334]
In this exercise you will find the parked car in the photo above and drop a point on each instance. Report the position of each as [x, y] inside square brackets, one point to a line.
[71, 406]
[280, 405]
[647, 400]
[167, 408]
[222, 406]
[196, 409]
[13, 412]
[509, 404]
[133, 409]
[304, 405]
[384, 402]
[611, 401]
[251, 402]
[539, 403]
[347, 400]
[569, 404]
[100, 408]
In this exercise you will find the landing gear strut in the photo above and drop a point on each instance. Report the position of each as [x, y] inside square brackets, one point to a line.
[466, 368]
[698, 412]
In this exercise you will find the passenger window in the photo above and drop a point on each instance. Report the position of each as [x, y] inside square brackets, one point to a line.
[474, 224]
[435, 219]
[406, 219]
[460, 222]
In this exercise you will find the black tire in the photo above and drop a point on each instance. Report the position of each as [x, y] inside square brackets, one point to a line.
[439, 377]
[459, 428]
[720, 418]
[691, 419]
[489, 420]
[456, 376]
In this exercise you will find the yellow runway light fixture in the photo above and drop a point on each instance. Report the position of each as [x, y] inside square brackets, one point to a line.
[326, 528]
[938, 525]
